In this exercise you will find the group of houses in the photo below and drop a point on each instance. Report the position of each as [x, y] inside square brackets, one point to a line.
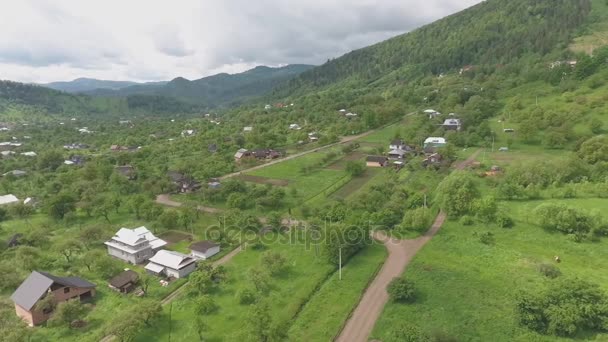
[265, 153]
[135, 246]
[120, 148]
[182, 182]
[399, 151]
[347, 114]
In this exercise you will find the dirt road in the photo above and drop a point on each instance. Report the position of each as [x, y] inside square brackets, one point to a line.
[166, 200]
[400, 252]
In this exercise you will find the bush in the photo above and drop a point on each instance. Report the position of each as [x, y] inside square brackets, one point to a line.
[205, 305]
[549, 271]
[467, 220]
[402, 290]
[487, 238]
[504, 221]
[246, 296]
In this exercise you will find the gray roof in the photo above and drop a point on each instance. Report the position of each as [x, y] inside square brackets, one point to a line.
[37, 284]
[376, 159]
[203, 246]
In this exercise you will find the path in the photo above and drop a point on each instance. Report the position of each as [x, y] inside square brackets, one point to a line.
[400, 252]
[171, 297]
[343, 140]
[165, 199]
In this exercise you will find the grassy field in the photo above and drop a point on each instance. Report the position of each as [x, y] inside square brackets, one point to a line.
[289, 292]
[356, 183]
[323, 316]
[468, 289]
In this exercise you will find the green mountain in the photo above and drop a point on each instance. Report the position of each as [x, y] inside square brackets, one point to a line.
[493, 32]
[217, 90]
[81, 85]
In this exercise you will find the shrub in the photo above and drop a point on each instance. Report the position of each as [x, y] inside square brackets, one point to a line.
[246, 296]
[549, 271]
[402, 290]
[504, 221]
[487, 238]
[467, 220]
[205, 305]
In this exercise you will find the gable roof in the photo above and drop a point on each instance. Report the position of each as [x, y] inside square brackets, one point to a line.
[435, 140]
[203, 246]
[171, 259]
[8, 199]
[124, 278]
[133, 237]
[451, 122]
[37, 284]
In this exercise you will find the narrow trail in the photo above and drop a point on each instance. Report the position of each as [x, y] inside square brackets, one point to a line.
[400, 252]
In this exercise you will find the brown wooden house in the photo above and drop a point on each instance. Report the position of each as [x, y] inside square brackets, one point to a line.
[39, 285]
[124, 282]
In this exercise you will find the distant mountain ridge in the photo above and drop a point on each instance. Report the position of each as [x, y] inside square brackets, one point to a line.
[214, 91]
[84, 84]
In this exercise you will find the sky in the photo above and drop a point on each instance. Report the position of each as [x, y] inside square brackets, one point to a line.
[152, 40]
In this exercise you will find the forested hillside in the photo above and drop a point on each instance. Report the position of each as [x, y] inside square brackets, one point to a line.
[217, 90]
[87, 84]
[492, 32]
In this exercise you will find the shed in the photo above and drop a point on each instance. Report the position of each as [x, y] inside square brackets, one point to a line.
[124, 282]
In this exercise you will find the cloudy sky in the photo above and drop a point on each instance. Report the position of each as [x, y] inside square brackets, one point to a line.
[148, 40]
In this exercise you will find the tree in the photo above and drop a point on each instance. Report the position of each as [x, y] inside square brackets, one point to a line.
[102, 207]
[457, 193]
[201, 328]
[50, 160]
[91, 236]
[486, 209]
[401, 290]
[258, 323]
[246, 296]
[169, 219]
[68, 312]
[136, 203]
[28, 257]
[564, 219]
[148, 311]
[408, 333]
[355, 168]
[21, 211]
[205, 305]
[144, 282]
[200, 281]
[68, 248]
[260, 279]
[417, 220]
[61, 204]
[595, 125]
[89, 258]
[274, 262]
[187, 216]
[595, 150]
[564, 308]
[125, 326]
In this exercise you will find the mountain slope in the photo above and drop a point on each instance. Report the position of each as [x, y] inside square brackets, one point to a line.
[492, 32]
[217, 90]
[80, 85]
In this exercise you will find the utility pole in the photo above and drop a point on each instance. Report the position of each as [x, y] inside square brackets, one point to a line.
[424, 201]
[492, 141]
[340, 249]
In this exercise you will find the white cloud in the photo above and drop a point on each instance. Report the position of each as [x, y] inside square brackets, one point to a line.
[49, 40]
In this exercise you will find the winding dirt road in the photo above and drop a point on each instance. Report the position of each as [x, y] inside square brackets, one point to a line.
[400, 252]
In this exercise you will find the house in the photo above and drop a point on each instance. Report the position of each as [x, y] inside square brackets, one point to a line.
[313, 137]
[15, 173]
[248, 129]
[171, 264]
[7, 154]
[134, 245]
[351, 115]
[29, 154]
[75, 160]
[433, 159]
[214, 183]
[342, 111]
[266, 154]
[84, 130]
[188, 133]
[9, 145]
[295, 127]
[432, 113]
[126, 171]
[494, 171]
[41, 284]
[212, 148]
[466, 69]
[434, 142]
[397, 154]
[376, 161]
[76, 146]
[204, 250]
[503, 149]
[124, 122]
[267, 107]
[508, 130]
[119, 148]
[452, 124]
[124, 282]
[241, 153]
[8, 200]
[184, 183]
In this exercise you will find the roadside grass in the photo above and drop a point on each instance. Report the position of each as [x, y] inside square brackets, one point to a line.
[289, 292]
[468, 290]
[323, 316]
[383, 136]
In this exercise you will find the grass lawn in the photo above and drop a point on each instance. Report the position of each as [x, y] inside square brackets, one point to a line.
[383, 136]
[355, 184]
[289, 292]
[326, 312]
[468, 290]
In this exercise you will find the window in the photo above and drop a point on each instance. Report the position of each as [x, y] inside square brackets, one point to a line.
[66, 290]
